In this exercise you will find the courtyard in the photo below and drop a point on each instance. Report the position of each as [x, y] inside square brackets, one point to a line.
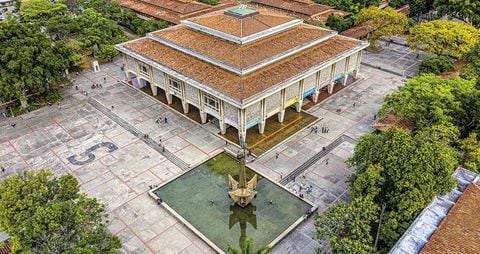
[124, 164]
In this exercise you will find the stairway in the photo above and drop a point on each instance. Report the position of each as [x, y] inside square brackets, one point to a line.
[124, 124]
[300, 169]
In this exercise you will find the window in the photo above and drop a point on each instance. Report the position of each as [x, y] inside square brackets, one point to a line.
[211, 102]
[144, 69]
[175, 86]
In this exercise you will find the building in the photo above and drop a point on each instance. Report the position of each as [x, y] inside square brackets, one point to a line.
[450, 224]
[173, 11]
[242, 66]
[304, 9]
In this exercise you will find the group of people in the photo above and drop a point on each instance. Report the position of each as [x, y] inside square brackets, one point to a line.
[315, 129]
[159, 120]
[93, 86]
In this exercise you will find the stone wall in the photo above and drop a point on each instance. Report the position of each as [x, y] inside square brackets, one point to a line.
[158, 78]
[192, 95]
[272, 103]
[231, 114]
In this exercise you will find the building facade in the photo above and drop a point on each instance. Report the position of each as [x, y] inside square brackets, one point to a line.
[241, 67]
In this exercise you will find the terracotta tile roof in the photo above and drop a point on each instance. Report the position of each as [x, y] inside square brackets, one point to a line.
[5, 249]
[240, 87]
[241, 27]
[173, 10]
[182, 7]
[303, 7]
[241, 56]
[393, 121]
[356, 31]
[362, 30]
[459, 232]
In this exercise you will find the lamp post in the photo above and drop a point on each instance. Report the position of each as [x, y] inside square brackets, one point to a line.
[384, 205]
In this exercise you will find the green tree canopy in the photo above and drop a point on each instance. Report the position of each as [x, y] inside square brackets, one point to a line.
[428, 100]
[348, 227]
[47, 214]
[468, 11]
[404, 171]
[382, 22]
[443, 37]
[97, 30]
[41, 10]
[29, 61]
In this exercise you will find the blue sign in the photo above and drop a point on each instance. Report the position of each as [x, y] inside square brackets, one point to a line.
[309, 92]
[252, 123]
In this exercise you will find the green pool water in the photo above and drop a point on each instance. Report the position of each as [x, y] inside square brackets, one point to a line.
[225, 224]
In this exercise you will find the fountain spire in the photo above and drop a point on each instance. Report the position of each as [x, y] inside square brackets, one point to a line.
[242, 192]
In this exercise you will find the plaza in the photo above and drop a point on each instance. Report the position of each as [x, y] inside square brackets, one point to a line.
[46, 138]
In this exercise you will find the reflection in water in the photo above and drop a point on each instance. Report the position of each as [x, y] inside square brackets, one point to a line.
[242, 215]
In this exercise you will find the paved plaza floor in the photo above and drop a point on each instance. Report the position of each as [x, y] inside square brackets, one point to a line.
[124, 166]
[395, 57]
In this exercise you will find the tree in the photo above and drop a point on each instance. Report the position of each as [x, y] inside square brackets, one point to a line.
[348, 227]
[417, 7]
[41, 10]
[29, 61]
[468, 11]
[338, 23]
[428, 100]
[470, 152]
[404, 171]
[249, 248]
[46, 214]
[382, 22]
[97, 30]
[442, 37]
[472, 69]
[436, 65]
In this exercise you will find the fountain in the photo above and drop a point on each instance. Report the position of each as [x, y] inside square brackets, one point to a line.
[242, 192]
[198, 198]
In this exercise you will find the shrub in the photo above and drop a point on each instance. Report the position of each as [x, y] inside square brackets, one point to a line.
[106, 52]
[210, 2]
[395, 4]
[436, 65]
[339, 23]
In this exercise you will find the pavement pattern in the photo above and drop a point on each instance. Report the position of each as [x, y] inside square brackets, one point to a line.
[117, 167]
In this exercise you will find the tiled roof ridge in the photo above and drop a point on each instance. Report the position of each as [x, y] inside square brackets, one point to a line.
[245, 66]
[423, 228]
[448, 219]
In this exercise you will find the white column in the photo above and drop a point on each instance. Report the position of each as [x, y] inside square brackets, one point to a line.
[223, 126]
[261, 124]
[332, 77]
[167, 88]
[201, 104]
[330, 87]
[299, 104]
[242, 128]
[317, 84]
[154, 89]
[184, 98]
[281, 114]
[345, 71]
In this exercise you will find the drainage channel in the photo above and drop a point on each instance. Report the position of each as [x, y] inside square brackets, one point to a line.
[300, 169]
[124, 124]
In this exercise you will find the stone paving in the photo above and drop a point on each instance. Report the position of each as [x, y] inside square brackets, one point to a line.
[120, 178]
[395, 57]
